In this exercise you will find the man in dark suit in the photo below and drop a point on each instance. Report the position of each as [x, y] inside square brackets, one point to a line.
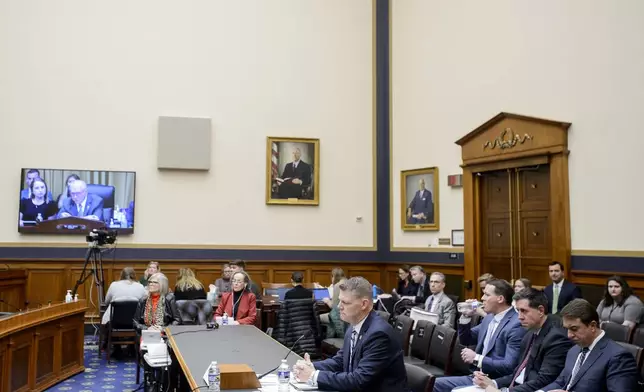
[596, 363]
[497, 339]
[296, 175]
[371, 358]
[81, 203]
[298, 291]
[543, 349]
[421, 208]
[560, 292]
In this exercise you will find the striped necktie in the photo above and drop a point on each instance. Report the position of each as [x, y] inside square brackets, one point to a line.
[580, 362]
[354, 334]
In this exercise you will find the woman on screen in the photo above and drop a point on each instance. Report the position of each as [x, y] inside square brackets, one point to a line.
[239, 304]
[38, 207]
[159, 309]
[66, 195]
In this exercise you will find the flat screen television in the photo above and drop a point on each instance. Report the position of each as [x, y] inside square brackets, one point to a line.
[56, 201]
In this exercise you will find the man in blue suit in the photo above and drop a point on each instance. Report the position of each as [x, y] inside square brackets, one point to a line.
[497, 338]
[596, 363]
[82, 204]
[560, 291]
[371, 358]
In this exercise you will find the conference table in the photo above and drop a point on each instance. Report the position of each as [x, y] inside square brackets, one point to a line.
[194, 347]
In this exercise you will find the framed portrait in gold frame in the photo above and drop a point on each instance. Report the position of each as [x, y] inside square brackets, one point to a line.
[292, 171]
[419, 199]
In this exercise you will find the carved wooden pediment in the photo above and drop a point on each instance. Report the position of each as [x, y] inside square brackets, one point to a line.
[511, 136]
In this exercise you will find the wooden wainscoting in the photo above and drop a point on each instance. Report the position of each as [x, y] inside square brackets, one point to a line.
[593, 284]
[49, 280]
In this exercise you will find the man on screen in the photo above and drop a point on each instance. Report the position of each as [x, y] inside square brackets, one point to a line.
[32, 174]
[81, 203]
[296, 175]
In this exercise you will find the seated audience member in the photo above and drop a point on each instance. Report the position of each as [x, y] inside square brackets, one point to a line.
[240, 305]
[82, 204]
[543, 349]
[595, 363]
[406, 286]
[620, 305]
[497, 338]
[439, 303]
[223, 284]
[153, 268]
[66, 194]
[240, 266]
[38, 207]
[560, 291]
[520, 284]
[188, 287]
[483, 279]
[371, 359]
[158, 310]
[334, 324]
[298, 291]
[31, 175]
[125, 289]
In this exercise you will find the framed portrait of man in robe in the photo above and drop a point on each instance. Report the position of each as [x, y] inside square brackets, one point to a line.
[293, 175]
[419, 199]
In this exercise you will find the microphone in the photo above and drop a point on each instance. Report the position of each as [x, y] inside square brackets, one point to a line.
[10, 305]
[307, 333]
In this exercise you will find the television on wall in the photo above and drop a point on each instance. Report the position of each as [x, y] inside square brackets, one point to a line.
[61, 201]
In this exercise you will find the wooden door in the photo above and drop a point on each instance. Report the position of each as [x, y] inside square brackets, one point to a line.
[515, 223]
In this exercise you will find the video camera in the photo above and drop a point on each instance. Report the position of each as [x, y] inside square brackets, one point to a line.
[102, 236]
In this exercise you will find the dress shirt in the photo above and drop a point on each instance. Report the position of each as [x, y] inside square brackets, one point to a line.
[81, 207]
[521, 377]
[435, 300]
[495, 324]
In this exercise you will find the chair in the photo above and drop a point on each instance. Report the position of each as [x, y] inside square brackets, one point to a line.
[419, 350]
[638, 336]
[419, 379]
[440, 351]
[385, 315]
[402, 326]
[258, 319]
[195, 312]
[121, 325]
[457, 366]
[617, 332]
[106, 192]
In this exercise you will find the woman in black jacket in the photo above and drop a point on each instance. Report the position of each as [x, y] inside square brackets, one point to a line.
[406, 286]
[158, 309]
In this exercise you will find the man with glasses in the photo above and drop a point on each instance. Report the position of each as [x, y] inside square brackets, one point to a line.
[240, 266]
[223, 284]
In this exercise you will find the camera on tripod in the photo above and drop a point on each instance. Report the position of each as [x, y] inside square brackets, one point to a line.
[102, 236]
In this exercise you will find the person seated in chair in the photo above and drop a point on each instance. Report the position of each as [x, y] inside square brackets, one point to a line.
[158, 309]
[125, 289]
[188, 287]
[240, 305]
[298, 291]
[438, 302]
[82, 204]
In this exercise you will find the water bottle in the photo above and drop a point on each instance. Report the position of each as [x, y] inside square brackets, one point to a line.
[375, 291]
[283, 377]
[214, 380]
[224, 319]
[39, 218]
[75, 297]
[68, 296]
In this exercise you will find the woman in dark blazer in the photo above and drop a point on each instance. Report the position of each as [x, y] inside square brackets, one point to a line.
[239, 304]
[406, 286]
[158, 309]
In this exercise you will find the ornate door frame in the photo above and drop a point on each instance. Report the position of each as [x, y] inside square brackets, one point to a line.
[510, 141]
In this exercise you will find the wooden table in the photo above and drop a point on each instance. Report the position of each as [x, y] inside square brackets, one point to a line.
[41, 347]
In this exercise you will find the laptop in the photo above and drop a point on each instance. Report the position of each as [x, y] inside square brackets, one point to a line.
[150, 336]
[320, 294]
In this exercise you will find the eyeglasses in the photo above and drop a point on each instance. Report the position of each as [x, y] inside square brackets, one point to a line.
[238, 281]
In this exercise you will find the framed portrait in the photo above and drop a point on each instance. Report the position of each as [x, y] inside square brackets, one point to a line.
[419, 199]
[293, 175]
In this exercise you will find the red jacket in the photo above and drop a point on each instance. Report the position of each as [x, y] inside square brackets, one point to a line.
[246, 311]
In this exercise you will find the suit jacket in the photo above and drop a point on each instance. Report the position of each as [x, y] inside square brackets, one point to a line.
[445, 308]
[302, 171]
[503, 349]
[546, 361]
[422, 292]
[377, 364]
[246, 310]
[424, 204]
[608, 368]
[298, 292]
[567, 293]
[93, 206]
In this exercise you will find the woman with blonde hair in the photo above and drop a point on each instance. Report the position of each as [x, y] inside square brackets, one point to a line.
[158, 309]
[188, 287]
[153, 268]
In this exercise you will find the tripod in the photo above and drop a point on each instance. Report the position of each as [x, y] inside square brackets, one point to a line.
[94, 258]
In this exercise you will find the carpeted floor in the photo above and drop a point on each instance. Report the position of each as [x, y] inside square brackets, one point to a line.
[119, 376]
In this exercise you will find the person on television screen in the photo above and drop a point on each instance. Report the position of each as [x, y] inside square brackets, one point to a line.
[31, 175]
[82, 204]
[66, 195]
[38, 207]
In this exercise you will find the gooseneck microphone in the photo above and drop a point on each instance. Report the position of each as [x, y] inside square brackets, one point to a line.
[307, 333]
[10, 305]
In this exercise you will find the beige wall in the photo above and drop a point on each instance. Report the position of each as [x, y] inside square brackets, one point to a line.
[455, 64]
[83, 84]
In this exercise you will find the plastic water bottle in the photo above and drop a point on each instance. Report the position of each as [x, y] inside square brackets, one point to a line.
[224, 319]
[75, 297]
[375, 291]
[68, 297]
[39, 218]
[214, 379]
[283, 377]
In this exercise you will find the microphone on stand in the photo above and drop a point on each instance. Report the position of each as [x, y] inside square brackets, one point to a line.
[10, 305]
[307, 333]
